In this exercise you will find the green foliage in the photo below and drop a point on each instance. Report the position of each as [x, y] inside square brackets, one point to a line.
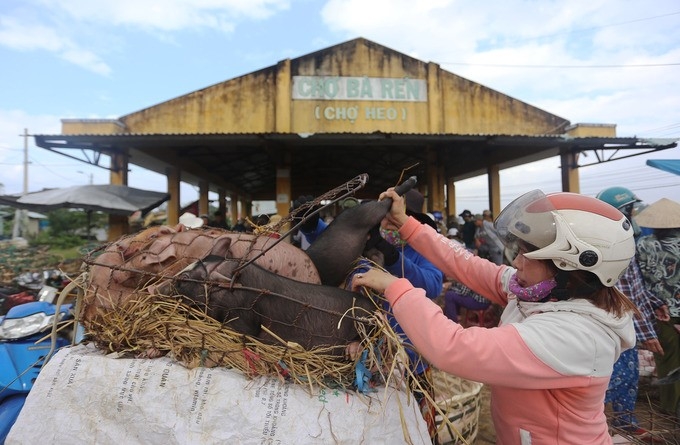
[67, 222]
[62, 241]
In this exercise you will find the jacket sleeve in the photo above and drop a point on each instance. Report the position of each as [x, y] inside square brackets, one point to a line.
[454, 260]
[312, 236]
[419, 271]
[633, 286]
[497, 356]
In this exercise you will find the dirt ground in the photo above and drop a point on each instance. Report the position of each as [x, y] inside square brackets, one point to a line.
[664, 429]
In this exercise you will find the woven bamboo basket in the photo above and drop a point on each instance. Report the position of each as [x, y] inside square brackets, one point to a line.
[459, 399]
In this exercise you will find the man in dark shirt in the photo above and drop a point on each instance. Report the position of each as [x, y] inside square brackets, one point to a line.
[469, 229]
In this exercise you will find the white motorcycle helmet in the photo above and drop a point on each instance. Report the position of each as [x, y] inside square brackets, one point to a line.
[576, 232]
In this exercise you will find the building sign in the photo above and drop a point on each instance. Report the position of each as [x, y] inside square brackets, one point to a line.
[359, 88]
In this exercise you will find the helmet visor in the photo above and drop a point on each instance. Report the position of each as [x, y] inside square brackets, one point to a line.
[527, 222]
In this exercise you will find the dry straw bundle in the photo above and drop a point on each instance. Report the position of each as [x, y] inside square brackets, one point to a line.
[150, 325]
[144, 321]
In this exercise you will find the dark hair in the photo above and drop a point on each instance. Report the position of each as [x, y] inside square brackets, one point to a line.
[583, 284]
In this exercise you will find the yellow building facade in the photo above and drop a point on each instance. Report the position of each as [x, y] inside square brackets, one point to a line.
[296, 116]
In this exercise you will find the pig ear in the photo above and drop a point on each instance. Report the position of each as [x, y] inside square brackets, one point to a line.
[135, 243]
[211, 263]
[221, 246]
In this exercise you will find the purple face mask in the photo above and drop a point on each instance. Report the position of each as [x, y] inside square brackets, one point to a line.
[536, 292]
[392, 237]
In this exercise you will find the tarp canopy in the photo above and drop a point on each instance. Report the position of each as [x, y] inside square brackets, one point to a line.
[667, 165]
[107, 198]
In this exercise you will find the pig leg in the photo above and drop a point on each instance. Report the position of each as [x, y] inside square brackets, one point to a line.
[342, 243]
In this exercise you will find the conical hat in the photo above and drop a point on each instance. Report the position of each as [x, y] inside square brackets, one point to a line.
[663, 214]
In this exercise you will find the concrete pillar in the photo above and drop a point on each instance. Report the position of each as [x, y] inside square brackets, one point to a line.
[283, 97]
[118, 224]
[173, 175]
[435, 182]
[570, 175]
[450, 200]
[283, 191]
[494, 189]
[233, 209]
[222, 202]
[203, 202]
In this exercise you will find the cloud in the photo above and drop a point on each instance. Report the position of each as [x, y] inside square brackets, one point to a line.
[566, 58]
[23, 37]
[26, 36]
[76, 30]
[169, 15]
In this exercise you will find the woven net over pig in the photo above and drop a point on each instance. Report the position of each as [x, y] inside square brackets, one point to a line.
[168, 291]
[248, 301]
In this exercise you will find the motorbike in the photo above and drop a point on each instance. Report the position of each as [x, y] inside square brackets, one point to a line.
[25, 346]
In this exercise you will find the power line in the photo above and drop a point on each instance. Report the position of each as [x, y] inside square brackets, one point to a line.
[34, 162]
[593, 28]
[503, 65]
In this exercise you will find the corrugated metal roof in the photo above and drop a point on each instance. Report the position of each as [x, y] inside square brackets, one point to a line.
[247, 162]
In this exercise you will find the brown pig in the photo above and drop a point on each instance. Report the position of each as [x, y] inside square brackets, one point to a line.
[133, 262]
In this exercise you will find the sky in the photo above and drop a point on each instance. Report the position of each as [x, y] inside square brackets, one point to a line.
[588, 61]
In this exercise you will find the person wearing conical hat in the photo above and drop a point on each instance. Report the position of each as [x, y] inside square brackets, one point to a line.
[659, 258]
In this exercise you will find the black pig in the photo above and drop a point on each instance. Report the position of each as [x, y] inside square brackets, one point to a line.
[303, 313]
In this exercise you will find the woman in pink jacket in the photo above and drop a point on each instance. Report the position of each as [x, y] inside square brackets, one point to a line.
[563, 326]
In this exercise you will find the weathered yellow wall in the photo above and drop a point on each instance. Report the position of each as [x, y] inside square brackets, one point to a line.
[471, 108]
[241, 105]
[249, 104]
[592, 130]
[91, 126]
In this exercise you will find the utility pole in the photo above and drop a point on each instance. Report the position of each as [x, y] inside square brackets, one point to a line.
[89, 175]
[20, 214]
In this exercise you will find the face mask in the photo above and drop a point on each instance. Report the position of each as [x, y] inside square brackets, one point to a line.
[392, 237]
[536, 292]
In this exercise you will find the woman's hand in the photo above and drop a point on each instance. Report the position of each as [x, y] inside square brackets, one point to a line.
[397, 215]
[375, 279]
[662, 313]
[653, 345]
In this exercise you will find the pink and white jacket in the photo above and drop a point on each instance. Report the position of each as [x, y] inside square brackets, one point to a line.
[547, 364]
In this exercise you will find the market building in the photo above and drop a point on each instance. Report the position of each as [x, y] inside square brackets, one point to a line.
[309, 124]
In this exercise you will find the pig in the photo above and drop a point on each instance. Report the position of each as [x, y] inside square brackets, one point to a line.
[311, 315]
[135, 261]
